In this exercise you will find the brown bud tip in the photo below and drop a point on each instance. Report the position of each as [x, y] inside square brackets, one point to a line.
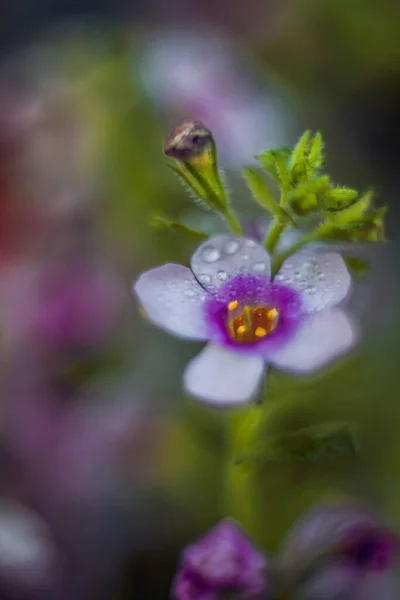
[188, 140]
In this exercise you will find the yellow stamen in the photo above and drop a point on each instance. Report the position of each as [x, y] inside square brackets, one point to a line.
[249, 324]
[260, 332]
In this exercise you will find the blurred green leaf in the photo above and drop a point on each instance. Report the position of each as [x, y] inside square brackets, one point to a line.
[308, 444]
[356, 266]
[162, 223]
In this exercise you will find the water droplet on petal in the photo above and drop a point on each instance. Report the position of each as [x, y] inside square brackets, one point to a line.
[222, 275]
[250, 243]
[259, 267]
[231, 247]
[189, 293]
[204, 278]
[279, 277]
[297, 275]
[321, 276]
[310, 289]
[210, 254]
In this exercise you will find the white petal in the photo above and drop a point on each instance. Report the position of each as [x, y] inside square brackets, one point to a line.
[221, 376]
[219, 259]
[173, 299]
[322, 279]
[319, 339]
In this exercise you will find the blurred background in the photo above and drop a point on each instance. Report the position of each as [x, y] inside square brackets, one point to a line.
[106, 469]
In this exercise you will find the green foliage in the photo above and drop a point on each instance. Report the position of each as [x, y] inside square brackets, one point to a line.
[307, 444]
[163, 223]
[263, 196]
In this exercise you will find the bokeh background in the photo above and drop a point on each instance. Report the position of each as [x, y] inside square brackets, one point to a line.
[106, 469]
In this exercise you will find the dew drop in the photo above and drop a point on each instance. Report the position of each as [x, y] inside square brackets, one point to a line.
[310, 289]
[204, 278]
[222, 275]
[189, 293]
[259, 267]
[279, 277]
[231, 247]
[321, 276]
[210, 254]
[250, 243]
[297, 275]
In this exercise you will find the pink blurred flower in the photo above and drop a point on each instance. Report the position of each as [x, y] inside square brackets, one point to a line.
[223, 561]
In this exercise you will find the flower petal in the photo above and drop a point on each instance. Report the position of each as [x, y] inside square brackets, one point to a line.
[173, 299]
[319, 339]
[219, 259]
[220, 376]
[322, 279]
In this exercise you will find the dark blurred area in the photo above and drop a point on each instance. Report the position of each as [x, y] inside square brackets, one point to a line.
[106, 469]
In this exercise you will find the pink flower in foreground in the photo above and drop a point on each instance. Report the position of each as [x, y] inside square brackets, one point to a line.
[228, 298]
[222, 561]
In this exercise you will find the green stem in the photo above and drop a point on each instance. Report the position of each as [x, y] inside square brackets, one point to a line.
[232, 221]
[274, 233]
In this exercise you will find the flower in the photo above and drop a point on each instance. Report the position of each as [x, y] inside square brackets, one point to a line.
[341, 551]
[228, 298]
[224, 560]
[198, 75]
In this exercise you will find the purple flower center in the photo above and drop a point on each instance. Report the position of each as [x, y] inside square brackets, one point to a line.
[249, 312]
[369, 548]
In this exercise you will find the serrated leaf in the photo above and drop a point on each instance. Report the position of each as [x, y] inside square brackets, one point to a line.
[308, 444]
[263, 196]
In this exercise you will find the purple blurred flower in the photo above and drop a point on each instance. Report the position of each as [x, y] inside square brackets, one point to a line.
[222, 561]
[341, 552]
[228, 298]
[198, 75]
[59, 307]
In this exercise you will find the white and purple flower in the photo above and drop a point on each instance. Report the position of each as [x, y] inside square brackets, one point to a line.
[341, 551]
[229, 298]
[223, 561]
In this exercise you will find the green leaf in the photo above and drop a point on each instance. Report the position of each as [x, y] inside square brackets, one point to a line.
[308, 444]
[357, 210]
[356, 266]
[263, 196]
[160, 222]
[300, 150]
[340, 198]
[369, 228]
[305, 198]
[275, 162]
[316, 156]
